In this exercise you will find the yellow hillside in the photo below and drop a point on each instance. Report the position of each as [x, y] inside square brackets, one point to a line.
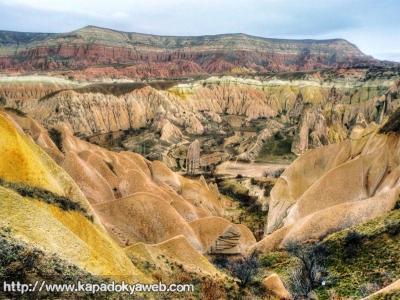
[68, 233]
[25, 162]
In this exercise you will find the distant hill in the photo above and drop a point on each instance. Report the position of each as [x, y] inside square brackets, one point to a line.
[99, 51]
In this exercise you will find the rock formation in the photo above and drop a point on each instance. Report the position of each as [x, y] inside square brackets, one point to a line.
[193, 158]
[73, 189]
[312, 131]
[136, 200]
[43, 206]
[311, 112]
[170, 133]
[275, 285]
[176, 250]
[217, 235]
[272, 127]
[96, 51]
[358, 179]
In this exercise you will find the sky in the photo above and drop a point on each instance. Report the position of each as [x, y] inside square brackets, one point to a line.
[373, 25]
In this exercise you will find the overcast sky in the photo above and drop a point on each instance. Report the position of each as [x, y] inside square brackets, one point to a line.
[373, 25]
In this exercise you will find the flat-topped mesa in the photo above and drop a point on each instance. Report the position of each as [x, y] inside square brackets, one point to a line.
[97, 51]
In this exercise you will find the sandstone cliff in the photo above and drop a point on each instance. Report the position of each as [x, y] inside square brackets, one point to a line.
[94, 51]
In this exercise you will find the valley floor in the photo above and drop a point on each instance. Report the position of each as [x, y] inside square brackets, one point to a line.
[232, 168]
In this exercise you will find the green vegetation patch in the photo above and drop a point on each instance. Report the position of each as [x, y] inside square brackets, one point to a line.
[352, 263]
[364, 258]
[249, 211]
[277, 149]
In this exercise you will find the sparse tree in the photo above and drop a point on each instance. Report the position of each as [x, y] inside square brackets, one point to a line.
[245, 268]
[309, 273]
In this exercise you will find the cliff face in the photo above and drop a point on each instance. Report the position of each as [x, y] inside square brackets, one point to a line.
[97, 51]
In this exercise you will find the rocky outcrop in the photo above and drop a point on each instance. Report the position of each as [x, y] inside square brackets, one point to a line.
[311, 113]
[193, 126]
[332, 121]
[47, 220]
[95, 50]
[312, 131]
[272, 127]
[144, 217]
[23, 92]
[193, 158]
[88, 111]
[219, 236]
[274, 285]
[171, 252]
[170, 133]
[349, 183]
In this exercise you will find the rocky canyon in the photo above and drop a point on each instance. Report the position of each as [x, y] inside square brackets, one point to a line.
[252, 168]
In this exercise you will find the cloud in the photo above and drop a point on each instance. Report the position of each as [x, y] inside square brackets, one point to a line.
[119, 15]
[199, 17]
[364, 22]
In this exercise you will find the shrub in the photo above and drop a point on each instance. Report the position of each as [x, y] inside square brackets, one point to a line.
[352, 243]
[392, 227]
[221, 261]
[269, 260]
[309, 272]
[245, 268]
